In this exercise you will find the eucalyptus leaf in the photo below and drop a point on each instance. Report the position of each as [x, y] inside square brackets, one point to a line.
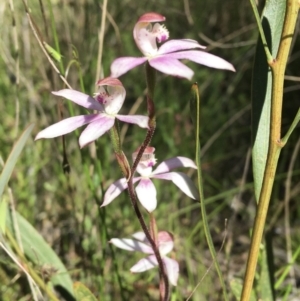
[272, 23]
[265, 285]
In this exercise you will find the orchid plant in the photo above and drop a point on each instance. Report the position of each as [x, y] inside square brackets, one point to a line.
[107, 102]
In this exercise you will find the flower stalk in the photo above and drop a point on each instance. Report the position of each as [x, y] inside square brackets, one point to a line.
[150, 75]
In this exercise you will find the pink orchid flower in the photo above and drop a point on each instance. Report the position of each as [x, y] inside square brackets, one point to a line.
[107, 101]
[141, 244]
[166, 57]
[145, 190]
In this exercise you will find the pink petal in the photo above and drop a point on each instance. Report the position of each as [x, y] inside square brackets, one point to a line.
[109, 81]
[123, 64]
[182, 181]
[173, 163]
[203, 58]
[151, 17]
[171, 66]
[172, 269]
[131, 245]
[66, 126]
[115, 189]
[96, 129]
[164, 236]
[79, 98]
[146, 193]
[141, 121]
[144, 264]
[176, 45]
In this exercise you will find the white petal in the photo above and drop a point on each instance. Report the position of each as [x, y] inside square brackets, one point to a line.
[182, 181]
[115, 99]
[66, 126]
[80, 98]
[131, 245]
[172, 269]
[203, 58]
[165, 247]
[96, 129]
[173, 163]
[146, 193]
[140, 236]
[171, 66]
[115, 189]
[176, 45]
[123, 64]
[144, 264]
[141, 121]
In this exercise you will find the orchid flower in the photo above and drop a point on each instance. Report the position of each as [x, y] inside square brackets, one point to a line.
[107, 101]
[141, 244]
[166, 57]
[146, 191]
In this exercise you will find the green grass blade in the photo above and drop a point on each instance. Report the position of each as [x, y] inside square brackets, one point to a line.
[39, 252]
[13, 157]
[195, 114]
[236, 286]
[286, 271]
[82, 293]
[3, 212]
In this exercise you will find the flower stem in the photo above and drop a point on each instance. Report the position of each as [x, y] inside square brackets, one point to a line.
[153, 227]
[150, 76]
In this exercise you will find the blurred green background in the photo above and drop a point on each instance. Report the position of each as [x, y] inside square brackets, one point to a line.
[64, 207]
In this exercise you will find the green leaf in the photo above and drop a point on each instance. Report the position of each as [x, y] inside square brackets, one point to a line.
[265, 285]
[82, 293]
[286, 271]
[272, 22]
[55, 54]
[40, 253]
[13, 157]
